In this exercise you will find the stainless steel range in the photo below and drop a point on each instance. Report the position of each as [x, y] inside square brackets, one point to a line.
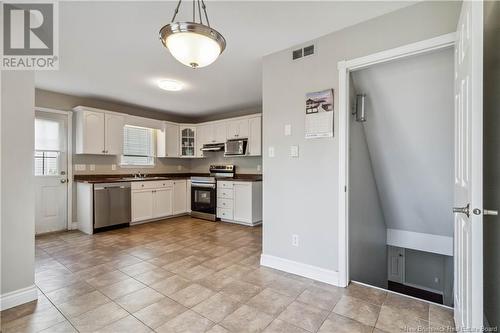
[204, 191]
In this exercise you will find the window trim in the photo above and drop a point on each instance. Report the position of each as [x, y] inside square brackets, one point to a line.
[125, 165]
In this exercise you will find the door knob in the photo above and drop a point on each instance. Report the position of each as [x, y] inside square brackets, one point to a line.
[63, 181]
[464, 210]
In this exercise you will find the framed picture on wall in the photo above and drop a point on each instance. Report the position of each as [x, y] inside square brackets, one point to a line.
[319, 114]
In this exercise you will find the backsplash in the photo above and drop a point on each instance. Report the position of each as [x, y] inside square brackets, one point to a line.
[96, 164]
[247, 164]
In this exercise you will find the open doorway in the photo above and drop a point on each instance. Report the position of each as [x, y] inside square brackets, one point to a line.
[401, 169]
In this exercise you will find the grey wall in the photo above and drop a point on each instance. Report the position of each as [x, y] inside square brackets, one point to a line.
[367, 229]
[409, 130]
[491, 161]
[422, 268]
[311, 212]
[17, 192]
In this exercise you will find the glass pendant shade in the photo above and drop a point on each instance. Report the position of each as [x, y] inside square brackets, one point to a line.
[192, 44]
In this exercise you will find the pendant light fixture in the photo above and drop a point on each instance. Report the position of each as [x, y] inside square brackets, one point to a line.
[194, 44]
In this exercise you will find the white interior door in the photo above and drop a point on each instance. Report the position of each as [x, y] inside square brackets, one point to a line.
[51, 173]
[468, 291]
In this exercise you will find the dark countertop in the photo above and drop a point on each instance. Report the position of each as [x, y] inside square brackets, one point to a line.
[100, 178]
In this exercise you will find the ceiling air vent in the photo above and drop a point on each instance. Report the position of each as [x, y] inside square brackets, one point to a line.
[303, 52]
[296, 54]
[308, 50]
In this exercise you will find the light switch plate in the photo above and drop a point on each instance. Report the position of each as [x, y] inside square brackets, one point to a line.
[288, 130]
[92, 167]
[294, 151]
[270, 151]
[259, 167]
[80, 167]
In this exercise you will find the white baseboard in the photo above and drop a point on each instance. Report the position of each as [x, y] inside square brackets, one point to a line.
[18, 297]
[298, 268]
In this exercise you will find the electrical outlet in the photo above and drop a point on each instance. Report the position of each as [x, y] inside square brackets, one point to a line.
[294, 151]
[92, 167]
[259, 167]
[295, 240]
[179, 167]
[436, 280]
[113, 167]
[80, 167]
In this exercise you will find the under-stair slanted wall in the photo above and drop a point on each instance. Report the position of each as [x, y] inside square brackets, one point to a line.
[409, 133]
[367, 229]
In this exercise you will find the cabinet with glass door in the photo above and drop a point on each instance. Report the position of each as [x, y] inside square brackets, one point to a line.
[188, 141]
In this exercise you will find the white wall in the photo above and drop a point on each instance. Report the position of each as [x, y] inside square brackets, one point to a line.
[409, 131]
[17, 191]
[367, 229]
[423, 268]
[300, 194]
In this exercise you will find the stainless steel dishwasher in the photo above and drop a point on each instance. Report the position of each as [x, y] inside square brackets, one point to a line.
[111, 205]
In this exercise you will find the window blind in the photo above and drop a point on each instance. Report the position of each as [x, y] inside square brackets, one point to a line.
[138, 146]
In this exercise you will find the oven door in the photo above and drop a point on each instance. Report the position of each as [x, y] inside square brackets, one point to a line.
[203, 202]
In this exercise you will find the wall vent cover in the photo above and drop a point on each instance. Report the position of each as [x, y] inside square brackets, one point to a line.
[308, 50]
[303, 52]
[296, 54]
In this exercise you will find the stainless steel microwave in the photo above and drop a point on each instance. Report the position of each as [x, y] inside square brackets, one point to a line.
[236, 147]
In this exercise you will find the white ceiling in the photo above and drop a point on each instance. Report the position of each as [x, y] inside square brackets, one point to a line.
[111, 51]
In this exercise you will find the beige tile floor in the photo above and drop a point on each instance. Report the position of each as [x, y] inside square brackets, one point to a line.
[189, 275]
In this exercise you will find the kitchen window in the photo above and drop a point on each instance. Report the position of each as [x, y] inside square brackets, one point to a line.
[138, 146]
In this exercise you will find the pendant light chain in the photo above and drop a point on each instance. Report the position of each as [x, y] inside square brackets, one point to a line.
[199, 11]
[201, 3]
[176, 11]
[205, 11]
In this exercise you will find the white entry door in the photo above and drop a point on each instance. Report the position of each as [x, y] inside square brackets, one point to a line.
[468, 187]
[51, 180]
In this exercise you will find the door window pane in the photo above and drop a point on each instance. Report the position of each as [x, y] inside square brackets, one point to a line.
[46, 163]
[47, 134]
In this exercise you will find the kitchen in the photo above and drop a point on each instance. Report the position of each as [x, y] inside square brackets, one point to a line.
[223, 193]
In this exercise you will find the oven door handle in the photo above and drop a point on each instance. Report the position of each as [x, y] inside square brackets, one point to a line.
[202, 185]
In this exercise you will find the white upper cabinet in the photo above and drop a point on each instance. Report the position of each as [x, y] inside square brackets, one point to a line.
[187, 141]
[167, 141]
[212, 133]
[237, 129]
[255, 136]
[98, 132]
[220, 132]
[113, 133]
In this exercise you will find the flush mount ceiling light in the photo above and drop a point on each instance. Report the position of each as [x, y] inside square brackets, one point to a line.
[193, 44]
[170, 85]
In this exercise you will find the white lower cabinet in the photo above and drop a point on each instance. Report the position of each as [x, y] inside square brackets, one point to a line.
[142, 205]
[158, 199]
[180, 197]
[162, 202]
[240, 202]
